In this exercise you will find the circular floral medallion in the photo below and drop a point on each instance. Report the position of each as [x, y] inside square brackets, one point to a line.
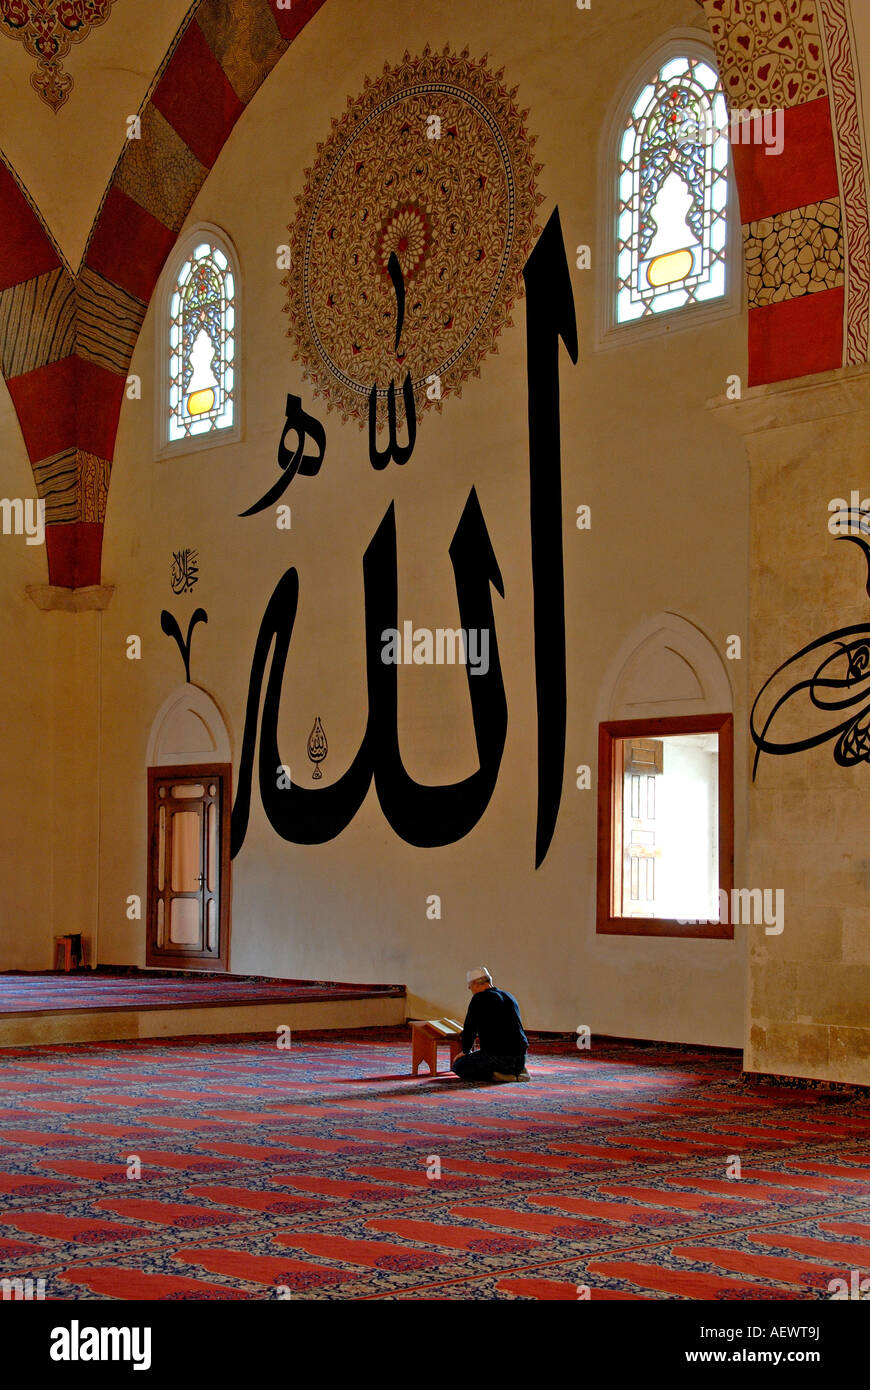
[431, 163]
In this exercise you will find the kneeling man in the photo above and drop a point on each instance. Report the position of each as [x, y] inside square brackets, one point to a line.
[494, 1019]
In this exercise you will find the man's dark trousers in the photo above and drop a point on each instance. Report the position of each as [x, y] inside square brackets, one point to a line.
[479, 1066]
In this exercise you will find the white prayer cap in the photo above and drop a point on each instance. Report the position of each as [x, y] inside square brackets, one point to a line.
[479, 972]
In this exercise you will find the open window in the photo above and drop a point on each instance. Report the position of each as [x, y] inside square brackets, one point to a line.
[665, 826]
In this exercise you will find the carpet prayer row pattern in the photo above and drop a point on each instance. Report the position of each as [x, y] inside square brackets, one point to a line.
[313, 1171]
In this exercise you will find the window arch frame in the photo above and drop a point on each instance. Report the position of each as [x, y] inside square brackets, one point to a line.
[609, 332]
[228, 434]
[664, 714]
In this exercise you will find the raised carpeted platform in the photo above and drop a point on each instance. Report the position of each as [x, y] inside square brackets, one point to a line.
[309, 1169]
[53, 991]
[120, 1003]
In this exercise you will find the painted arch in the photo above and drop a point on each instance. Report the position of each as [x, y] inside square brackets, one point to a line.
[67, 372]
[797, 58]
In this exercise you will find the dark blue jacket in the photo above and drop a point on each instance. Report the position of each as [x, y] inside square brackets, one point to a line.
[494, 1017]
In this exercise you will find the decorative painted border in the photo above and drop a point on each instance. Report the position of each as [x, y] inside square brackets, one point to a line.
[772, 56]
[851, 159]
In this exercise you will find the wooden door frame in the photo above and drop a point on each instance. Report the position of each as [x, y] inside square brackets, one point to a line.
[202, 772]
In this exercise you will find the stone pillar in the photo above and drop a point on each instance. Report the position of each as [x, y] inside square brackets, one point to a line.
[808, 995]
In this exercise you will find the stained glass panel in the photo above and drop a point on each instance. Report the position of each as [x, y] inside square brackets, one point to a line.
[201, 345]
[672, 193]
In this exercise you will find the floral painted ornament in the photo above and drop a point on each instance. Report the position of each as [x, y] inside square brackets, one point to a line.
[431, 163]
[48, 29]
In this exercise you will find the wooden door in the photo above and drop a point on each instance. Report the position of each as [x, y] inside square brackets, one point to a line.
[644, 761]
[189, 867]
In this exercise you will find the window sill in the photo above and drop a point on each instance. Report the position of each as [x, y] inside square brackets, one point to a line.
[664, 926]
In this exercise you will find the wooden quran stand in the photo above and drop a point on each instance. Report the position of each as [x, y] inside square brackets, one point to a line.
[425, 1037]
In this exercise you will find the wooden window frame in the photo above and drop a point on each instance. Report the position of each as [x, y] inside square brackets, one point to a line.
[610, 821]
[182, 772]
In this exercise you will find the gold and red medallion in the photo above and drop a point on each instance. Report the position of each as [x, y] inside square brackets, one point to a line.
[431, 162]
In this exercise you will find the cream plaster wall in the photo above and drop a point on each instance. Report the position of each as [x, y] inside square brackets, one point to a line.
[668, 491]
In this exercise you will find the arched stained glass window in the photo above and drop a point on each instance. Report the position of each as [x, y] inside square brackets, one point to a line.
[672, 235]
[198, 349]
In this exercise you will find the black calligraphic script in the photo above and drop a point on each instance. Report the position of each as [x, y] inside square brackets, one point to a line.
[379, 458]
[421, 815]
[394, 270]
[303, 425]
[184, 571]
[170, 626]
[437, 815]
[300, 814]
[550, 316]
[827, 685]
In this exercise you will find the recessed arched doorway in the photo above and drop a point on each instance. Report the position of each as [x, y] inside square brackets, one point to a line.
[189, 802]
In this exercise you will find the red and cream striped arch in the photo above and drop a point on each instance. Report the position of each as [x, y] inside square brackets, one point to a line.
[798, 57]
[68, 338]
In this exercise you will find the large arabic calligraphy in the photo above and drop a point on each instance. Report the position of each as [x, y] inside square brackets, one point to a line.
[429, 815]
[825, 685]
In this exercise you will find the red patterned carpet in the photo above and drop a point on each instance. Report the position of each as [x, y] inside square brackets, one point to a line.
[107, 990]
[307, 1169]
